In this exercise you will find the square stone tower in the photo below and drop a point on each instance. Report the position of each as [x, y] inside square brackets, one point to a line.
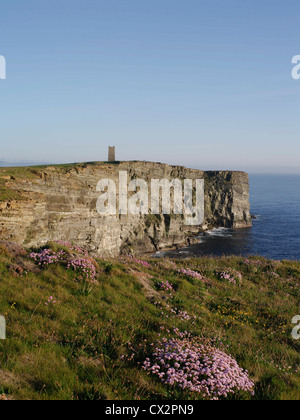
[111, 154]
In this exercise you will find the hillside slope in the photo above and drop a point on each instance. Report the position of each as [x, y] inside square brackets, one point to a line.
[79, 328]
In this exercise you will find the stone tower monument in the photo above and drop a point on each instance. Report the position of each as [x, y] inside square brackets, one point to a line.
[112, 154]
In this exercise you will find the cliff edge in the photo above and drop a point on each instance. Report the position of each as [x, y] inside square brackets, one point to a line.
[38, 204]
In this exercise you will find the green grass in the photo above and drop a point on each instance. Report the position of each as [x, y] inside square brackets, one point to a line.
[74, 349]
[31, 172]
[7, 194]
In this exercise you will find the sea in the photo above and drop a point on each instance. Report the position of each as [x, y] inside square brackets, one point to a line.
[275, 202]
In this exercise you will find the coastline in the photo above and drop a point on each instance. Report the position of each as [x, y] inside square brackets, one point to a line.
[60, 202]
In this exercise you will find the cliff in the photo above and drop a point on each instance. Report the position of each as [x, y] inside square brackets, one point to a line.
[38, 204]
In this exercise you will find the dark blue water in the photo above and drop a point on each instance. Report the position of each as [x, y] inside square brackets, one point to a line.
[275, 200]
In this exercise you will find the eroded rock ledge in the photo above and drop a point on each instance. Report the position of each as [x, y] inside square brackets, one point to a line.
[59, 203]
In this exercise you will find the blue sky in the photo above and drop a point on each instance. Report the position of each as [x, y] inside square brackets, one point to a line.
[203, 83]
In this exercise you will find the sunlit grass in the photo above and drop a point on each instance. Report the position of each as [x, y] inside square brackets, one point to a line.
[91, 343]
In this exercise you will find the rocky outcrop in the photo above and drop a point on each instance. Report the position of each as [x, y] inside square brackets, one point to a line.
[59, 203]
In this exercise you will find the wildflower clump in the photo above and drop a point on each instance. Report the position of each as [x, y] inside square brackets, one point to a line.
[85, 268]
[77, 260]
[73, 247]
[141, 262]
[182, 315]
[198, 368]
[256, 266]
[47, 257]
[165, 286]
[272, 273]
[190, 273]
[51, 301]
[232, 276]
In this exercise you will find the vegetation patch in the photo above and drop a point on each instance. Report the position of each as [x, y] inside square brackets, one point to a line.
[139, 329]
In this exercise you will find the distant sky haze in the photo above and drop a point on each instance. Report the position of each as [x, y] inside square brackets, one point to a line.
[201, 83]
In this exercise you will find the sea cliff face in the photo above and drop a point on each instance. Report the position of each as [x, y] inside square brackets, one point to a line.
[39, 204]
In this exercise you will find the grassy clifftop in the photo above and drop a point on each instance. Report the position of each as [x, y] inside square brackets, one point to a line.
[79, 328]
